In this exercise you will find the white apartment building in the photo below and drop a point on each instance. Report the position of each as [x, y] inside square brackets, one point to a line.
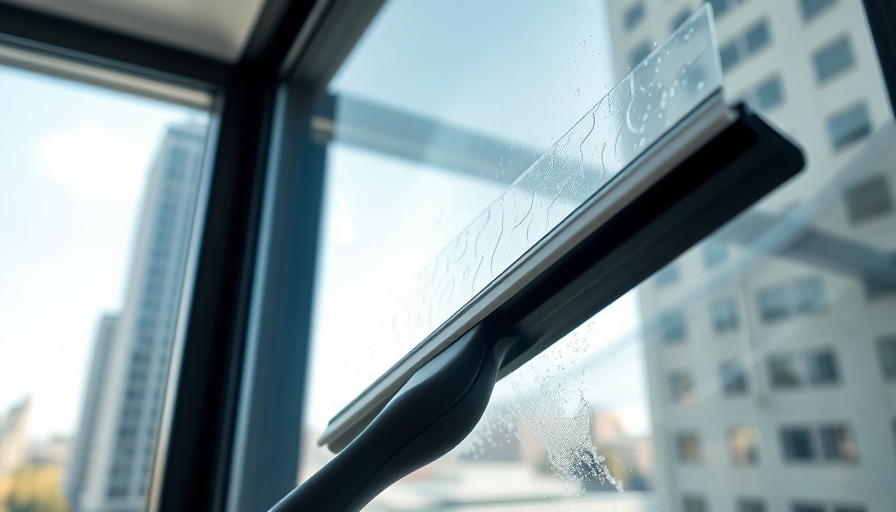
[771, 347]
[113, 450]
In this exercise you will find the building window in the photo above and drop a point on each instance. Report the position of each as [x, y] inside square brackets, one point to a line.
[671, 324]
[758, 37]
[729, 55]
[734, 377]
[886, 354]
[833, 60]
[724, 314]
[634, 15]
[812, 8]
[714, 253]
[784, 372]
[638, 54]
[667, 275]
[681, 387]
[808, 507]
[837, 443]
[679, 19]
[693, 503]
[809, 295]
[743, 443]
[773, 303]
[822, 365]
[720, 7]
[750, 505]
[869, 199]
[797, 444]
[769, 94]
[688, 447]
[849, 125]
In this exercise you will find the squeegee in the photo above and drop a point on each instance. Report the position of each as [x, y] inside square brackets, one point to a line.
[657, 165]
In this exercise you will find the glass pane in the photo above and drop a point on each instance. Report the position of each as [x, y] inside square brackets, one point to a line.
[781, 399]
[421, 264]
[98, 193]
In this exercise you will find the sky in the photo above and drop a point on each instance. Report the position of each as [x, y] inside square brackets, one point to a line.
[74, 162]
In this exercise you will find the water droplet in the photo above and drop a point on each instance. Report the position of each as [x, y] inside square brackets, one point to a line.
[583, 43]
[700, 85]
[577, 92]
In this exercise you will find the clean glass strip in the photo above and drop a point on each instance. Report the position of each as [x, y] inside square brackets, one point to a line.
[670, 84]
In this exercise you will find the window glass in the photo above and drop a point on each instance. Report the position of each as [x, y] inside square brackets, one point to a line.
[750, 505]
[812, 8]
[680, 18]
[797, 444]
[837, 443]
[832, 60]
[668, 275]
[809, 296]
[774, 303]
[634, 15]
[734, 377]
[97, 200]
[724, 315]
[694, 504]
[803, 277]
[672, 326]
[769, 94]
[743, 443]
[757, 37]
[784, 371]
[849, 125]
[638, 54]
[681, 387]
[886, 348]
[714, 252]
[688, 447]
[808, 507]
[730, 55]
[870, 199]
[822, 367]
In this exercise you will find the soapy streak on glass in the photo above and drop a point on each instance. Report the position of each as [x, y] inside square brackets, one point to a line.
[670, 83]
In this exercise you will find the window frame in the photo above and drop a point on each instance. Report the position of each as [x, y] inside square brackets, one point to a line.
[210, 386]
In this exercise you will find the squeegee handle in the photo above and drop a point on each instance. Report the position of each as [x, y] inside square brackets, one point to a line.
[430, 415]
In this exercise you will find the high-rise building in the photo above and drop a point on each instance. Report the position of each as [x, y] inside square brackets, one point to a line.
[14, 436]
[113, 451]
[771, 347]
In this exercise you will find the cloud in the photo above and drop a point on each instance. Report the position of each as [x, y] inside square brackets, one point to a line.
[96, 162]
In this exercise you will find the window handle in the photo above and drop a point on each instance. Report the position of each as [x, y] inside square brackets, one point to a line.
[431, 414]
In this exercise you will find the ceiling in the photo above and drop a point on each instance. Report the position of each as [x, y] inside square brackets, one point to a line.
[215, 28]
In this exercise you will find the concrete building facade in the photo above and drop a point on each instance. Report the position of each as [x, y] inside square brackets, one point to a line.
[771, 347]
